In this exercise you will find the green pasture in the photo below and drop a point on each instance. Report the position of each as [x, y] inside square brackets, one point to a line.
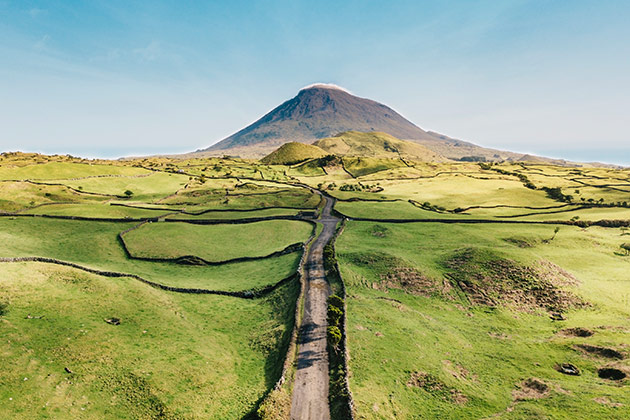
[156, 185]
[95, 245]
[18, 196]
[231, 215]
[98, 210]
[244, 196]
[476, 354]
[215, 242]
[173, 356]
[66, 170]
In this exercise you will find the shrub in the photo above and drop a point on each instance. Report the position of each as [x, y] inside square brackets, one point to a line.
[334, 316]
[335, 301]
[626, 247]
[334, 337]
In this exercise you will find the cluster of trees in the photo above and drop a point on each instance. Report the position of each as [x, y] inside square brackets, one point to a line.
[522, 177]
[557, 194]
[358, 187]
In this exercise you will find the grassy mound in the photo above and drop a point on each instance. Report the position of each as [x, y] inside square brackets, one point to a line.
[376, 144]
[488, 279]
[292, 153]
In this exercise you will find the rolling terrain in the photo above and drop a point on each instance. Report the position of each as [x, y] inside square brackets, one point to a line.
[197, 288]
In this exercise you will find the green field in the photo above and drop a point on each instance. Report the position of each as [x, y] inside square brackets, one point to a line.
[173, 356]
[406, 319]
[215, 242]
[445, 320]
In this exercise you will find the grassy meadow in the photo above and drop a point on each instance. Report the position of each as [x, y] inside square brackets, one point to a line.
[407, 320]
[445, 320]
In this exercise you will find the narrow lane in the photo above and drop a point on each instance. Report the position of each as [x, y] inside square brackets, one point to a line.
[310, 390]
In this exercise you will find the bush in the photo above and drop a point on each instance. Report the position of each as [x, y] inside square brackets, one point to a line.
[334, 316]
[626, 247]
[128, 193]
[334, 337]
[335, 301]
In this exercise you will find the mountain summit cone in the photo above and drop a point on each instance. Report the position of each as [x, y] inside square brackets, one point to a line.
[318, 111]
[321, 111]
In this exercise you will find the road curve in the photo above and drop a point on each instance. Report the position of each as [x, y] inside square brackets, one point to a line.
[310, 390]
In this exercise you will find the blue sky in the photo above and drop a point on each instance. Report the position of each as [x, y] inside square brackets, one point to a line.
[112, 78]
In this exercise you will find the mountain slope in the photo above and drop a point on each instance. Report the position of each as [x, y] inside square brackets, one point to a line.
[321, 111]
[376, 144]
[317, 112]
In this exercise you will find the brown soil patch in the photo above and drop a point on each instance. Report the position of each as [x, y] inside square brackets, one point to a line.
[435, 386]
[457, 371]
[520, 242]
[606, 401]
[395, 273]
[531, 389]
[487, 279]
[576, 332]
[600, 351]
[555, 274]
[499, 336]
[408, 279]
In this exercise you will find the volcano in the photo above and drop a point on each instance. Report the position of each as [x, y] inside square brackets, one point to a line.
[319, 111]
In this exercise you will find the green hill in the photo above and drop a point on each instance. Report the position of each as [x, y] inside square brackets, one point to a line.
[293, 152]
[376, 144]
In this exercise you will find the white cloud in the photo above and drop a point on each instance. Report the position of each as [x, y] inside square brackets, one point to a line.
[150, 52]
[326, 86]
[42, 43]
[36, 11]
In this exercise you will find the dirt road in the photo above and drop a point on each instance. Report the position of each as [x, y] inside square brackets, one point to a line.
[310, 391]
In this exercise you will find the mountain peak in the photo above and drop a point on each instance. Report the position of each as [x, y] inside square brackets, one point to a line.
[317, 111]
[330, 86]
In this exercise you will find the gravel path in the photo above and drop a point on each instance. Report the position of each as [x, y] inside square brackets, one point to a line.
[310, 391]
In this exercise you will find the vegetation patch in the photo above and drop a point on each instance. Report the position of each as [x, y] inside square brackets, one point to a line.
[433, 385]
[520, 242]
[576, 332]
[138, 396]
[380, 231]
[394, 273]
[292, 153]
[488, 279]
[600, 351]
[531, 389]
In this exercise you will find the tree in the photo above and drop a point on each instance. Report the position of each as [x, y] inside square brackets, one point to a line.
[626, 247]
[334, 337]
[128, 193]
[555, 232]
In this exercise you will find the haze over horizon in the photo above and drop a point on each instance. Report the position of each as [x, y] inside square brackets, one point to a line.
[110, 79]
